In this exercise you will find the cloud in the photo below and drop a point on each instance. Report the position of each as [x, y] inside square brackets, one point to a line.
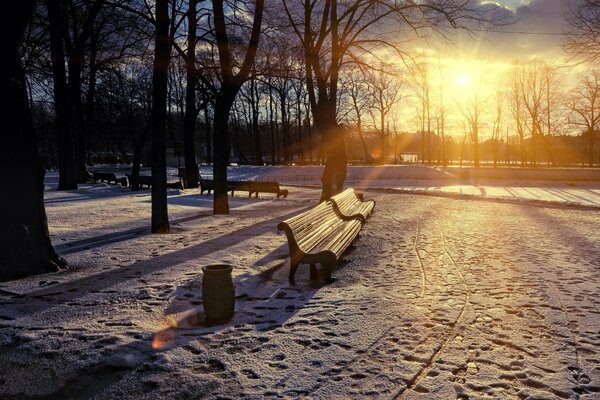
[534, 34]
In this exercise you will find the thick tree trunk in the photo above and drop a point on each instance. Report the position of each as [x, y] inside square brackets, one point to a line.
[334, 173]
[62, 102]
[192, 175]
[77, 113]
[221, 141]
[158, 119]
[332, 140]
[25, 246]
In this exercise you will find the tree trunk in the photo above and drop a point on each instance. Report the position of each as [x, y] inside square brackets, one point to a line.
[476, 146]
[334, 173]
[192, 175]
[77, 113]
[91, 93]
[207, 124]
[62, 102]
[223, 107]
[25, 246]
[158, 119]
[255, 108]
[332, 139]
[272, 125]
[137, 159]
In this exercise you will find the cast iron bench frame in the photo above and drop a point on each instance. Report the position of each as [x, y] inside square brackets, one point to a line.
[318, 235]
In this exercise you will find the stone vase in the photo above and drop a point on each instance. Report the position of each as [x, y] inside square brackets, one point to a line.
[218, 293]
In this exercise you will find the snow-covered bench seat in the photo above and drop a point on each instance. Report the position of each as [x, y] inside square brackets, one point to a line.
[318, 235]
[349, 205]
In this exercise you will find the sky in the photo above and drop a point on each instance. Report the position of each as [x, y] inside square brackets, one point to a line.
[478, 63]
[536, 20]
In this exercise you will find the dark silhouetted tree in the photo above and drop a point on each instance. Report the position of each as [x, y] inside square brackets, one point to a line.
[25, 246]
[231, 82]
[158, 117]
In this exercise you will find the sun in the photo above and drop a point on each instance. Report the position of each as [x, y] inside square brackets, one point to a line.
[463, 80]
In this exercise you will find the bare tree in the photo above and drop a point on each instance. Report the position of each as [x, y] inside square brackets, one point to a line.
[500, 97]
[441, 114]
[355, 86]
[385, 90]
[62, 98]
[584, 107]
[231, 83]
[421, 85]
[517, 107]
[471, 110]
[191, 111]
[583, 34]
[25, 246]
[158, 117]
[334, 32]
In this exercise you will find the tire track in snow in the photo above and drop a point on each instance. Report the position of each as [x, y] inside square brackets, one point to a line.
[365, 352]
[454, 327]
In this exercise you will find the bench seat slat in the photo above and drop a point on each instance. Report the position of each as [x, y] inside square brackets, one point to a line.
[318, 235]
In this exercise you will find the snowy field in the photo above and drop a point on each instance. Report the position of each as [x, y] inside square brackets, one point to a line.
[482, 288]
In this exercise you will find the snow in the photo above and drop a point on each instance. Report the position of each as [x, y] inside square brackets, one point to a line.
[458, 287]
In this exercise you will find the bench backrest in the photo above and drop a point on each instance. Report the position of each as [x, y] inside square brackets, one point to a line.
[207, 184]
[345, 199]
[266, 186]
[309, 227]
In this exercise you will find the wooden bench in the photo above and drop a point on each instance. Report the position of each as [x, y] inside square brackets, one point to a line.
[318, 235]
[266, 187]
[142, 180]
[108, 177]
[349, 205]
[147, 180]
[208, 185]
[232, 186]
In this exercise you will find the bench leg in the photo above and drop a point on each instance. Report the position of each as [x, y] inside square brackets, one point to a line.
[314, 272]
[328, 269]
[294, 262]
[293, 269]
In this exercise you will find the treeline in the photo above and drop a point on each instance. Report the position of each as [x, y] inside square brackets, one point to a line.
[104, 93]
[533, 113]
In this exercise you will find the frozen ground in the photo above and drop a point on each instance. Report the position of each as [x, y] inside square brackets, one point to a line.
[442, 298]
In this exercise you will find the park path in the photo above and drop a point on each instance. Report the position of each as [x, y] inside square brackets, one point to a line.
[442, 298]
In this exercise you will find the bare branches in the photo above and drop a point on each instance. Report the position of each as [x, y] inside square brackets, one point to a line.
[583, 35]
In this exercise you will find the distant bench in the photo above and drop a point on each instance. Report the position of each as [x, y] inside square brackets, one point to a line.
[321, 235]
[266, 187]
[108, 177]
[147, 180]
[252, 187]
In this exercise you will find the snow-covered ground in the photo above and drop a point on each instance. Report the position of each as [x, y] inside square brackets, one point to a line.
[444, 296]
